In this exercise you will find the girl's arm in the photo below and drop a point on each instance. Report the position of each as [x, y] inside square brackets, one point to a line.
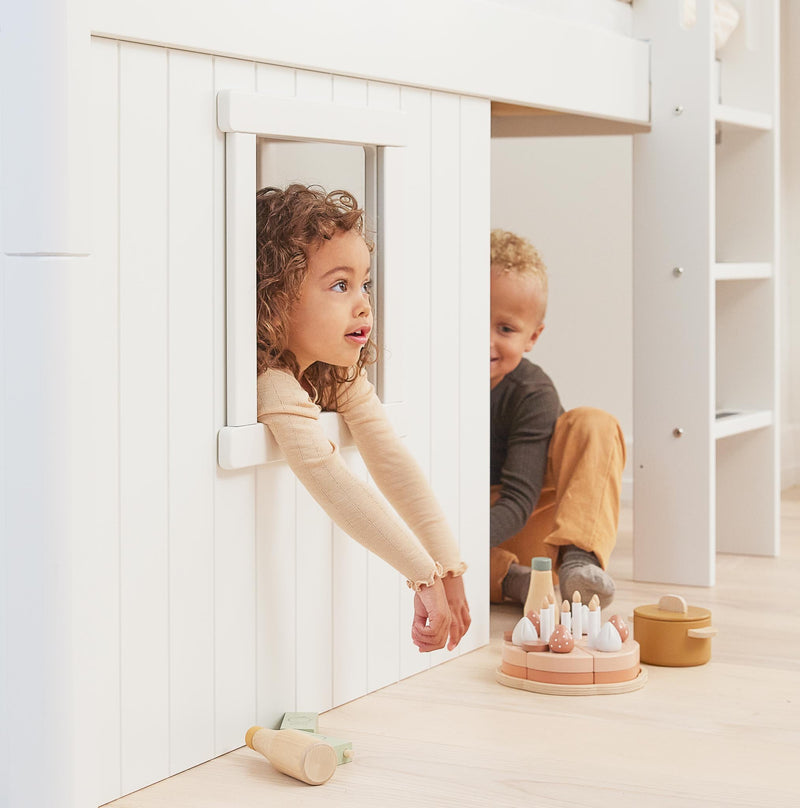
[401, 480]
[294, 421]
[397, 473]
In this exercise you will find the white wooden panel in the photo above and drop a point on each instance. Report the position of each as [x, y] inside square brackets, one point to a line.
[312, 86]
[349, 607]
[313, 599]
[445, 281]
[104, 405]
[473, 399]
[746, 474]
[276, 607]
[349, 91]
[144, 609]
[234, 511]
[525, 57]
[276, 81]
[673, 316]
[383, 613]
[191, 409]
[416, 317]
[240, 276]
[35, 542]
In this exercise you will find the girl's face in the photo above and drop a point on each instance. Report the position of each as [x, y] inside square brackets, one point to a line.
[331, 320]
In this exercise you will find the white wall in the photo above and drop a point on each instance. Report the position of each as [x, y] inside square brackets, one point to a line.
[790, 311]
[571, 197]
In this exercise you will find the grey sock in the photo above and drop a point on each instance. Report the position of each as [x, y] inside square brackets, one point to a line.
[516, 583]
[581, 571]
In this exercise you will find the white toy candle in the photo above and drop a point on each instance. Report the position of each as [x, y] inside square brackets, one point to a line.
[544, 618]
[551, 610]
[593, 628]
[566, 616]
[577, 615]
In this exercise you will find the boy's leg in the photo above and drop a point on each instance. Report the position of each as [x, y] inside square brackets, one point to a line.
[509, 562]
[585, 463]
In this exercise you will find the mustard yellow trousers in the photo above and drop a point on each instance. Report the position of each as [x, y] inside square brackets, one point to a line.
[579, 501]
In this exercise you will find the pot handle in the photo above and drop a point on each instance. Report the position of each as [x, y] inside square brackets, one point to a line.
[704, 633]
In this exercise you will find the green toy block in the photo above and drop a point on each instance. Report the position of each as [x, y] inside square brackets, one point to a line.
[307, 722]
[343, 749]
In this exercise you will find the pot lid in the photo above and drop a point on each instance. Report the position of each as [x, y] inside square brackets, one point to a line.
[672, 609]
[653, 612]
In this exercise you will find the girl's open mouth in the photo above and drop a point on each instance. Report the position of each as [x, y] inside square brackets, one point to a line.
[360, 335]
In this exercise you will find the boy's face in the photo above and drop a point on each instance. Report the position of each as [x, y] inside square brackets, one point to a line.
[515, 321]
[331, 320]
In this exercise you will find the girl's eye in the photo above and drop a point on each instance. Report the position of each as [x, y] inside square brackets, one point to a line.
[340, 286]
[366, 287]
[504, 329]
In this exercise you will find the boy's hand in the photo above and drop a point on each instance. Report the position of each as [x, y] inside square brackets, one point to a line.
[431, 617]
[459, 609]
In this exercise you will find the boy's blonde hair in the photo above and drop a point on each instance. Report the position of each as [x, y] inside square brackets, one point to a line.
[512, 253]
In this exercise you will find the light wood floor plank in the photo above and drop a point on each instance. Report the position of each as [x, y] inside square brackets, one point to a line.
[722, 734]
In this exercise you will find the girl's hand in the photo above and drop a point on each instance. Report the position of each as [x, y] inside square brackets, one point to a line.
[431, 617]
[459, 608]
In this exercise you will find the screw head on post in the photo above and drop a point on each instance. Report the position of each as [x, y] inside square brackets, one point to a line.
[678, 432]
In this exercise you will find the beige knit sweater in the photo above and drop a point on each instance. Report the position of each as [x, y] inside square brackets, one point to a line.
[428, 548]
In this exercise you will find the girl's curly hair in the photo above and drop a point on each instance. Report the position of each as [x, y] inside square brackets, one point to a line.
[289, 224]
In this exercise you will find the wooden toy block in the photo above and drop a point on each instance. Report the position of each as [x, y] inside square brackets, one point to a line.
[539, 646]
[306, 722]
[514, 655]
[611, 677]
[513, 670]
[558, 677]
[576, 661]
[343, 749]
[606, 661]
[299, 754]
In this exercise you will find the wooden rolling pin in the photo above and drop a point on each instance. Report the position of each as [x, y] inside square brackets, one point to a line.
[298, 754]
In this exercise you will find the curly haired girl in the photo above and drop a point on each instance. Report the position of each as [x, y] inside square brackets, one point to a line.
[314, 327]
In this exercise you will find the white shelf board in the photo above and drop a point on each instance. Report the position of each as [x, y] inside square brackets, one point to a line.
[742, 118]
[730, 271]
[745, 421]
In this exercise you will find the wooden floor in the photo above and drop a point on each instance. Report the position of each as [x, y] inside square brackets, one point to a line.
[726, 733]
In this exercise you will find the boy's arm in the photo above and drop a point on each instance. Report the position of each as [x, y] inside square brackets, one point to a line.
[531, 427]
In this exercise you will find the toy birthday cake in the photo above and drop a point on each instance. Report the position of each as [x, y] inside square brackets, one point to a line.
[576, 654]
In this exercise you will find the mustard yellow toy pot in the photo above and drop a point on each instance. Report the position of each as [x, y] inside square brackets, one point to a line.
[672, 634]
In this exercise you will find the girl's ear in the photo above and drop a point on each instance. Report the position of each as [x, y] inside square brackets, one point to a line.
[533, 337]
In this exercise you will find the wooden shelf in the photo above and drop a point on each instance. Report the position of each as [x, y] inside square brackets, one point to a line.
[726, 425]
[740, 118]
[745, 271]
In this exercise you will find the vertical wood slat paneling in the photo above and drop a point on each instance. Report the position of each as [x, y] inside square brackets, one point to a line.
[276, 610]
[473, 398]
[298, 615]
[276, 554]
[445, 284]
[234, 502]
[144, 489]
[384, 586]
[350, 559]
[192, 466]
[415, 274]
[313, 598]
[104, 402]
[276, 557]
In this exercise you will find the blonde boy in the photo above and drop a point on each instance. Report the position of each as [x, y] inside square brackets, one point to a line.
[555, 475]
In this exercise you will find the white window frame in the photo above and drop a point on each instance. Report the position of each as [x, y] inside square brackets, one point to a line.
[245, 116]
